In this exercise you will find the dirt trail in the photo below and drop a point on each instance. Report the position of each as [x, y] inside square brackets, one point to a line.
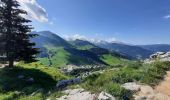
[159, 92]
[164, 86]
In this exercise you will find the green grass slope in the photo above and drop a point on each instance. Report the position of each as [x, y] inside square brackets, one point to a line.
[14, 88]
[61, 57]
[111, 60]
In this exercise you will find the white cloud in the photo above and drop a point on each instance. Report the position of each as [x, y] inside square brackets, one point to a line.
[111, 39]
[34, 10]
[74, 37]
[93, 40]
[167, 17]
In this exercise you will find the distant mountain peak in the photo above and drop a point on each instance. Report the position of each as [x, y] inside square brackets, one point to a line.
[97, 41]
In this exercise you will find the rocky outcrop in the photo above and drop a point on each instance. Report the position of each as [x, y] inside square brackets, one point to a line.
[157, 55]
[162, 56]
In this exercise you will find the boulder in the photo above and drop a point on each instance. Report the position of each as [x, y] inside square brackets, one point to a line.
[64, 83]
[147, 90]
[76, 80]
[106, 96]
[131, 86]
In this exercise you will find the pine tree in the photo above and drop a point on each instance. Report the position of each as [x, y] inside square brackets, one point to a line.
[14, 33]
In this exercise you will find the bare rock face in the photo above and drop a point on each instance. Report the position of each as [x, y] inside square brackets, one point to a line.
[105, 96]
[163, 56]
[158, 54]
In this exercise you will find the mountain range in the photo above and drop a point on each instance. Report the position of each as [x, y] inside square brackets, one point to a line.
[60, 52]
[134, 51]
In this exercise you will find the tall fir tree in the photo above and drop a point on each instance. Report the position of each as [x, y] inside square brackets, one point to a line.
[14, 33]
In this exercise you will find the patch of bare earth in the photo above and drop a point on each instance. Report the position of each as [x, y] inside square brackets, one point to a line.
[164, 86]
[159, 92]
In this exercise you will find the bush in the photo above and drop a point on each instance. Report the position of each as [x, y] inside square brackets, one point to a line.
[155, 72]
[126, 75]
[118, 91]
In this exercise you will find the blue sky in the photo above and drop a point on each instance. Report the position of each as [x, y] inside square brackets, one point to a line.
[131, 21]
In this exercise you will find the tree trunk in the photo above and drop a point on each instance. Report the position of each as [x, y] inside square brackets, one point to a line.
[11, 63]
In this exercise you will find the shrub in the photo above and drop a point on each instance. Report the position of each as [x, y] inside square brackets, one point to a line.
[118, 91]
[126, 75]
[154, 72]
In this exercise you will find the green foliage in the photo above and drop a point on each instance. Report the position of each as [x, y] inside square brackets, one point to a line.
[155, 72]
[14, 29]
[133, 64]
[7, 96]
[126, 75]
[119, 92]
